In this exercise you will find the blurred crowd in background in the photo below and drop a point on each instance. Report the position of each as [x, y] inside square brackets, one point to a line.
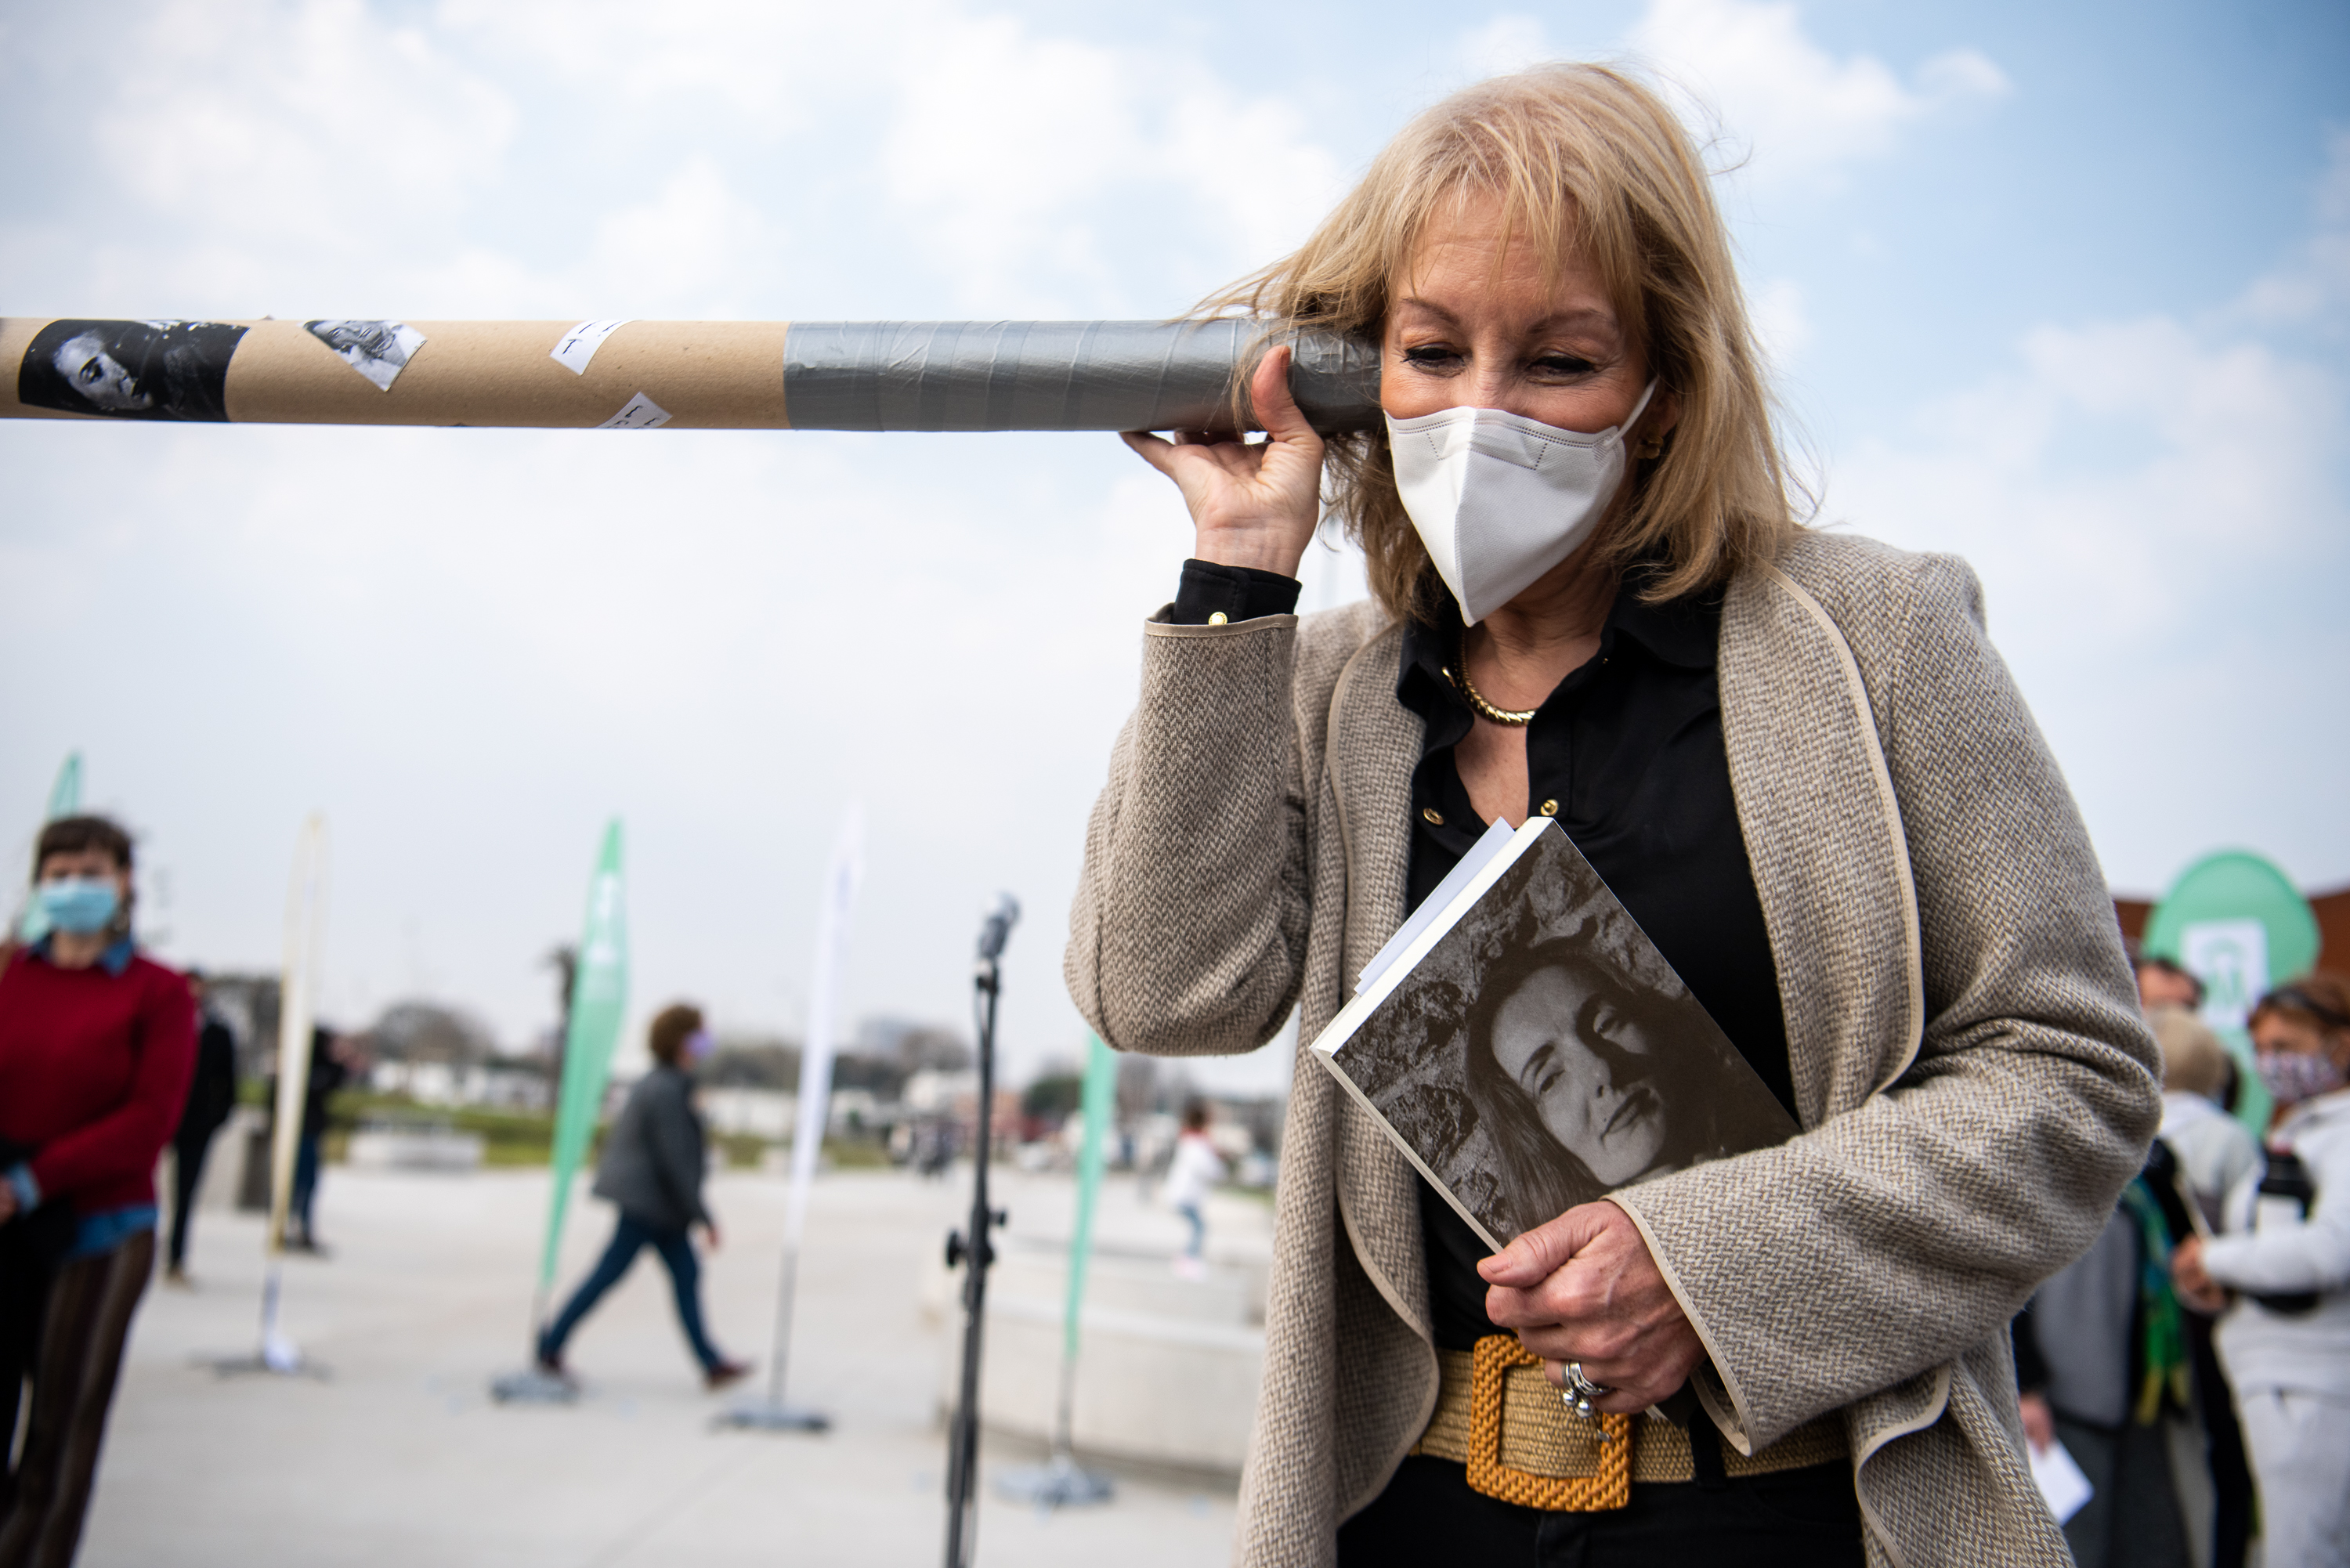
[2192, 1366]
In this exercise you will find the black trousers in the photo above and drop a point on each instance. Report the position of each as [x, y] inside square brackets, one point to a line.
[1796, 1519]
[187, 1173]
[87, 1318]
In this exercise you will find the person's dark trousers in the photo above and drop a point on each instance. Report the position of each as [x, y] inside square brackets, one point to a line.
[25, 1275]
[306, 1185]
[684, 1274]
[74, 1372]
[187, 1173]
[1429, 1514]
[2132, 1519]
[2231, 1473]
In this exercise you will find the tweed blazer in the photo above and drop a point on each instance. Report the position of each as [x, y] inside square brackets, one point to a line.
[1972, 1076]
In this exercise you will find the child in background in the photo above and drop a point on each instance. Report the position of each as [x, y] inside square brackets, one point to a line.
[1196, 1168]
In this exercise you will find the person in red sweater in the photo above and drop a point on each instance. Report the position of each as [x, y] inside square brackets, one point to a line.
[97, 1045]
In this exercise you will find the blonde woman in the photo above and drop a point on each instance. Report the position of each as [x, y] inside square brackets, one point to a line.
[1796, 758]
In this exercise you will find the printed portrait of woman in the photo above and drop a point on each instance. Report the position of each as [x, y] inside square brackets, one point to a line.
[1584, 1084]
[130, 369]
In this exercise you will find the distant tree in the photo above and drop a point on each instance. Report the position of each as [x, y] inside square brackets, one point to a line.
[429, 1032]
[757, 1062]
[1054, 1097]
[937, 1050]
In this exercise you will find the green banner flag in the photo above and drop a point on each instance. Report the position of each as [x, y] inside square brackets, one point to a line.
[600, 993]
[1099, 1103]
[65, 796]
[65, 800]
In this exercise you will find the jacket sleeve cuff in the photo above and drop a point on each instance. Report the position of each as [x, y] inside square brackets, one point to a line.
[1236, 593]
[27, 1185]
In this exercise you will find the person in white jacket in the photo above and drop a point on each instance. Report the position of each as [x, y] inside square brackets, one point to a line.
[1195, 1170]
[2286, 1255]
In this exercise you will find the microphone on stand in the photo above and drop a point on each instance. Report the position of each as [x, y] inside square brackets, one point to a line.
[997, 928]
[972, 1249]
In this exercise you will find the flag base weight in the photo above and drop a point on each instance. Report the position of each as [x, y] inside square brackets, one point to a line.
[1060, 1484]
[534, 1387]
[771, 1417]
[278, 1357]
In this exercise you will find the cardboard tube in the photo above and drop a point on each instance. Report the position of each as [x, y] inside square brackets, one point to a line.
[704, 375]
[690, 374]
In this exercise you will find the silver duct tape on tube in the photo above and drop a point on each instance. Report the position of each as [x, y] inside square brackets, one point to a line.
[1057, 376]
[684, 375]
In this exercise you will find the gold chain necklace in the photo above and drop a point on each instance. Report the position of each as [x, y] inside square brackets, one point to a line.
[1512, 719]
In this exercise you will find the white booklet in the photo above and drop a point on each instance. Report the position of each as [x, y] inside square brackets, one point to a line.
[2062, 1483]
[1529, 1049]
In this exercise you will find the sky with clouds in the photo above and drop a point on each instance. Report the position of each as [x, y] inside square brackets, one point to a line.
[2063, 289]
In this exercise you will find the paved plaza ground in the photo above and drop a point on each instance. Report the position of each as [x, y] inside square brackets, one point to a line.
[399, 1457]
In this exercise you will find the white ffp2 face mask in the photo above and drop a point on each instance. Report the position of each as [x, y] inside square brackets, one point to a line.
[1500, 499]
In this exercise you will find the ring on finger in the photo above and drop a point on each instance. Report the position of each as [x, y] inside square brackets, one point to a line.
[1580, 1391]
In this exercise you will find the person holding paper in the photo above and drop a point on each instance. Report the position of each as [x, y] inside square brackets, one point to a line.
[1796, 759]
[2103, 1367]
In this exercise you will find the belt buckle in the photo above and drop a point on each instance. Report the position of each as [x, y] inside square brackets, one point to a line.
[1609, 1488]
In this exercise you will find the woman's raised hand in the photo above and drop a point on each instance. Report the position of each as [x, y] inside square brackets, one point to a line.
[1253, 504]
[1584, 1288]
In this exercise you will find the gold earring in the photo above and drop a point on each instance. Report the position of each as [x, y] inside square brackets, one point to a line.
[1651, 449]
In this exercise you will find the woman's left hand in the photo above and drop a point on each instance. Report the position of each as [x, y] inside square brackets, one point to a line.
[1584, 1288]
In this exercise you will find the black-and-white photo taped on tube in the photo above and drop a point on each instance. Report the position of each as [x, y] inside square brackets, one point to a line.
[130, 369]
[379, 351]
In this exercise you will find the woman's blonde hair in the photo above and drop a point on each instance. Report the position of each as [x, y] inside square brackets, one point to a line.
[1589, 164]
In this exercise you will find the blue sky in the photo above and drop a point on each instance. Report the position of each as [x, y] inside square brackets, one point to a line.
[2063, 289]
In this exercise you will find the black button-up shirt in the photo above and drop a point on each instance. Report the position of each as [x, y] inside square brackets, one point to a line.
[1626, 752]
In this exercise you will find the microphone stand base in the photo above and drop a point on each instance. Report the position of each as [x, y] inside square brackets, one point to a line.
[1059, 1484]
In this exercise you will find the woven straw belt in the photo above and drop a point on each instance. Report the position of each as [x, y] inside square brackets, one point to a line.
[1496, 1413]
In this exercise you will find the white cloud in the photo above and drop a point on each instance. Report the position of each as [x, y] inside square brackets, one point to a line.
[1508, 43]
[2159, 511]
[1794, 112]
[2311, 290]
[1781, 320]
[1017, 158]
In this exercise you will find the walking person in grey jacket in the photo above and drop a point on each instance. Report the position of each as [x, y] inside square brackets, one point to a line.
[652, 1169]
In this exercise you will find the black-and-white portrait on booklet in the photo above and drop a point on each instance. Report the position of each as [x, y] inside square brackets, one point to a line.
[379, 351]
[1543, 1054]
[130, 369]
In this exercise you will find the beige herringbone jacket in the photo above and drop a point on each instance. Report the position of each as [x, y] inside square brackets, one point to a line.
[1973, 1075]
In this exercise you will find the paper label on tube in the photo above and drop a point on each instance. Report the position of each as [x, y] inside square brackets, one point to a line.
[640, 413]
[579, 344]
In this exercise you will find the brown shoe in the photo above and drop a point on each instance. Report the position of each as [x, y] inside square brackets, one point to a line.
[713, 1379]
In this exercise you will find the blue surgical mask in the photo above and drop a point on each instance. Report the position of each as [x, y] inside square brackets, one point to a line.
[78, 906]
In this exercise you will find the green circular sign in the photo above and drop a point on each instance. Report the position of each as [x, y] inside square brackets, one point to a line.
[2239, 925]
